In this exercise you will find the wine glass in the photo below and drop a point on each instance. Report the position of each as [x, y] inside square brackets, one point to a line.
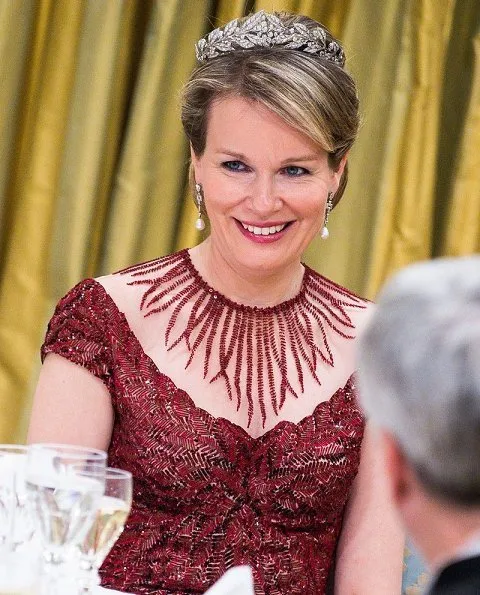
[13, 460]
[19, 553]
[109, 521]
[65, 484]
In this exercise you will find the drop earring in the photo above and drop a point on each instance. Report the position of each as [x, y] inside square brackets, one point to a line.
[328, 208]
[199, 223]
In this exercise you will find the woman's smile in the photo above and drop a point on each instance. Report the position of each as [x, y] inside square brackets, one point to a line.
[265, 187]
[263, 232]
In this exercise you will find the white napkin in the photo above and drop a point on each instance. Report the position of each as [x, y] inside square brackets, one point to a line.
[236, 581]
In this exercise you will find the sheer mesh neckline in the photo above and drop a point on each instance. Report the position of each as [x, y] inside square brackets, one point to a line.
[252, 350]
[340, 394]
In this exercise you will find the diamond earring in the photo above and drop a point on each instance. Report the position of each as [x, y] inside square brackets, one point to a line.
[328, 208]
[199, 223]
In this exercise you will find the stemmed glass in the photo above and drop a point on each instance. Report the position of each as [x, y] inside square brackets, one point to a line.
[109, 521]
[19, 555]
[16, 526]
[65, 484]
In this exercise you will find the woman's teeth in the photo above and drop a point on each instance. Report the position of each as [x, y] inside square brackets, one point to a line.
[264, 231]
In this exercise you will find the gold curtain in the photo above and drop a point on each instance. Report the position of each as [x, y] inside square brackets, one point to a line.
[93, 162]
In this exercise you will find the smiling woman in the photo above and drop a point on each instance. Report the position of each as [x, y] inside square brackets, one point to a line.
[265, 188]
[222, 377]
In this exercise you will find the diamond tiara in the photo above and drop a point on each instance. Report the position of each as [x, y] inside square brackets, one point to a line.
[264, 30]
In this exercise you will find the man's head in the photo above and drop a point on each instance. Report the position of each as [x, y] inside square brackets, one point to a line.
[419, 372]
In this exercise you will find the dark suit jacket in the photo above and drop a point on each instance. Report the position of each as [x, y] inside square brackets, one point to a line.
[458, 578]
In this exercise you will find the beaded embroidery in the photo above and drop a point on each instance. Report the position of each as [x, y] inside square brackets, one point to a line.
[240, 341]
[207, 494]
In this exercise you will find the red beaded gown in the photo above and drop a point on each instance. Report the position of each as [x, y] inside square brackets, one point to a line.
[208, 495]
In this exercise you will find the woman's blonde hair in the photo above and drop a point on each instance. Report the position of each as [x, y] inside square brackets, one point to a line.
[312, 94]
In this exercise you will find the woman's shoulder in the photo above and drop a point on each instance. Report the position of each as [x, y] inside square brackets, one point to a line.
[336, 289]
[79, 328]
[84, 297]
[144, 272]
[131, 286]
[155, 266]
[106, 296]
[341, 301]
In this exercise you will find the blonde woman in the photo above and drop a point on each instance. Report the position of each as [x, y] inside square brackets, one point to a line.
[222, 377]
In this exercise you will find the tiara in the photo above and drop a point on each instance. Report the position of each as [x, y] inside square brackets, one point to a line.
[264, 30]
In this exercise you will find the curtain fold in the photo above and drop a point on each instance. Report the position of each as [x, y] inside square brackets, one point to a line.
[462, 225]
[151, 178]
[20, 17]
[93, 135]
[94, 164]
[403, 229]
[372, 38]
[35, 169]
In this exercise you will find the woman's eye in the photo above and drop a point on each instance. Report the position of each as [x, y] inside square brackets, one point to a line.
[234, 165]
[295, 171]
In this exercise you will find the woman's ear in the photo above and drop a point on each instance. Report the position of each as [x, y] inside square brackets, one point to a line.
[339, 171]
[196, 165]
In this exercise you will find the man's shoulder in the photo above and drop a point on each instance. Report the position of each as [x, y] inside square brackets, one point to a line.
[461, 577]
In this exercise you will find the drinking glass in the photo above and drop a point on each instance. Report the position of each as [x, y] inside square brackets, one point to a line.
[19, 573]
[16, 525]
[65, 502]
[109, 521]
[19, 552]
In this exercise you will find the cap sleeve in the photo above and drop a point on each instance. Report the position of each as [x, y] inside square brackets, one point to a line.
[79, 330]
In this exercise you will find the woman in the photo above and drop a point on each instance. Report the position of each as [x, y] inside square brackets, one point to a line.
[222, 376]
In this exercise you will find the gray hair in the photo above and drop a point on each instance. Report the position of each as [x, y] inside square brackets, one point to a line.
[419, 372]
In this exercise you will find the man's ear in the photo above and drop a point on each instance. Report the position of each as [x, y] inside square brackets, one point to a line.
[400, 474]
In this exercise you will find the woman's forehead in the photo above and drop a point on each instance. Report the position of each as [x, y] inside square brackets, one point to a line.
[239, 122]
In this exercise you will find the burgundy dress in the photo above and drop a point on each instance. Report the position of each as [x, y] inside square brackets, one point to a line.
[207, 495]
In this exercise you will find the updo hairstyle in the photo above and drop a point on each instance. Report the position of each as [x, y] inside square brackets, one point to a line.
[312, 94]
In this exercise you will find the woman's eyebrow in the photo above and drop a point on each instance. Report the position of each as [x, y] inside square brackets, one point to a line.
[239, 156]
[242, 157]
[309, 157]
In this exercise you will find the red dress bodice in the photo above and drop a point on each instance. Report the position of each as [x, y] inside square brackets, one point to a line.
[207, 495]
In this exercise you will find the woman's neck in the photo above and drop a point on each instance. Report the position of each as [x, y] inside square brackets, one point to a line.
[247, 286]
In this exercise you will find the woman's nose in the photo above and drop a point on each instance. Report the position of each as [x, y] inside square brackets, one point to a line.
[264, 196]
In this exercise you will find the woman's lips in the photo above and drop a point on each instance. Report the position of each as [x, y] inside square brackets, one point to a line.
[263, 233]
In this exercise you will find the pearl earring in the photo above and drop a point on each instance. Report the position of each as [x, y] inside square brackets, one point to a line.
[199, 223]
[328, 208]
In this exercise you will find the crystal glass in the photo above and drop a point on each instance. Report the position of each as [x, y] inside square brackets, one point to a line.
[19, 551]
[109, 521]
[65, 488]
[20, 573]
[16, 526]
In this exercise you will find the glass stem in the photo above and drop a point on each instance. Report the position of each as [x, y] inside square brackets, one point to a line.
[89, 578]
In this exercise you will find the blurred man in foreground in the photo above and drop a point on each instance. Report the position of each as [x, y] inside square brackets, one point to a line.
[419, 374]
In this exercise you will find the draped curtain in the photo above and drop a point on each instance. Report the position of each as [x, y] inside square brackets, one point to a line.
[94, 165]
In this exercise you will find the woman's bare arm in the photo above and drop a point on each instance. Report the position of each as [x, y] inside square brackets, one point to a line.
[70, 406]
[370, 550]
